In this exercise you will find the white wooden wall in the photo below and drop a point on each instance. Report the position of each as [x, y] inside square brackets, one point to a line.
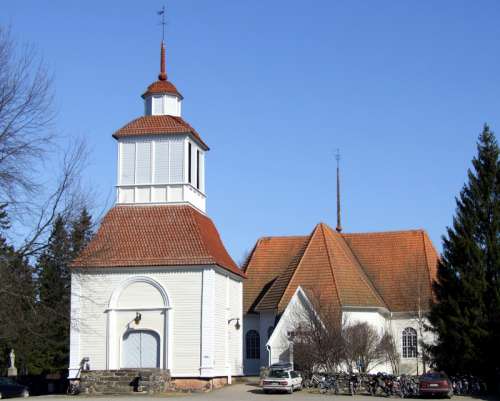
[198, 341]
[184, 288]
[379, 319]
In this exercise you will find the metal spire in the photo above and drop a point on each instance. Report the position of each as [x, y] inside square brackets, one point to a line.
[339, 225]
[163, 73]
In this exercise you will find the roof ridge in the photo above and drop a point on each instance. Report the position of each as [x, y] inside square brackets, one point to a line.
[321, 225]
[195, 216]
[411, 230]
[282, 236]
[299, 261]
[361, 270]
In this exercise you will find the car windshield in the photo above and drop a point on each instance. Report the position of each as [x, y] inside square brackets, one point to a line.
[281, 374]
[5, 380]
[434, 376]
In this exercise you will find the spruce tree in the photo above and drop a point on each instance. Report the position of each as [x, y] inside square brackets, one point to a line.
[54, 291]
[19, 327]
[465, 315]
[81, 232]
[65, 243]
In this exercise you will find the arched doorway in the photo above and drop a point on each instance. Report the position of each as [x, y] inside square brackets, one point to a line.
[138, 322]
[141, 349]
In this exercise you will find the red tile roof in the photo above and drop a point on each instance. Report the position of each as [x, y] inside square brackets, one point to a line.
[402, 266]
[161, 86]
[158, 125]
[268, 259]
[166, 235]
[389, 270]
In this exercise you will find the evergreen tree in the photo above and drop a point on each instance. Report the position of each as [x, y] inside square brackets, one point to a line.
[18, 316]
[54, 291]
[81, 232]
[466, 314]
[65, 243]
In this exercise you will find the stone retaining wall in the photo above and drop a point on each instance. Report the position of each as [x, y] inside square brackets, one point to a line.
[125, 381]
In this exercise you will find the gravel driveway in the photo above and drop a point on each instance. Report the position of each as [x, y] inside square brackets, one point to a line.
[237, 392]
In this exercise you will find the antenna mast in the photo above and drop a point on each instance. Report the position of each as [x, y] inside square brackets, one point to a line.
[339, 225]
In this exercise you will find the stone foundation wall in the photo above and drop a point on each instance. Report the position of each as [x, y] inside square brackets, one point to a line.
[125, 381]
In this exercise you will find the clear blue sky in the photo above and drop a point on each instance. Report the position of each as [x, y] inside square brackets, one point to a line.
[274, 87]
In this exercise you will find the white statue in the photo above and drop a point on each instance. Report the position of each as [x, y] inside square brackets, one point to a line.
[12, 357]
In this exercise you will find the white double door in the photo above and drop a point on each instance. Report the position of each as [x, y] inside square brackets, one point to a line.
[141, 349]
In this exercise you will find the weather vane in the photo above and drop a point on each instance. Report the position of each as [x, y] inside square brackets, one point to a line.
[162, 23]
[337, 156]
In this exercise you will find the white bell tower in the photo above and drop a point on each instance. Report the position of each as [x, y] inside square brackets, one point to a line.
[161, 158]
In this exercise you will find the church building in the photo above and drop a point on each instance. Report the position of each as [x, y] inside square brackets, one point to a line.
[156, 288]
[380, 278]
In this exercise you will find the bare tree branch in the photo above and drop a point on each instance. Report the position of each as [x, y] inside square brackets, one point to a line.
[26, 117]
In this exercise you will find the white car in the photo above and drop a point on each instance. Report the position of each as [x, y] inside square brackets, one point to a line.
[282, 380]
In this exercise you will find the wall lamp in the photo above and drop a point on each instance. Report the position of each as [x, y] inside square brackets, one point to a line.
[137, 318]
[237, 326]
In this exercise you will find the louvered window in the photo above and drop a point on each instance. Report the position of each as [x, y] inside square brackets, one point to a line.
[162, 161]
[127, 167]
[176, 161]
[143, 163]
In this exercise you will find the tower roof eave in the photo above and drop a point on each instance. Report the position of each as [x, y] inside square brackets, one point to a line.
[159, 125]
[162, 87]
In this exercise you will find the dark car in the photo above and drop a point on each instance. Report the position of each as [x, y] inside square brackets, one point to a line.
[435, 384]
[9, 388]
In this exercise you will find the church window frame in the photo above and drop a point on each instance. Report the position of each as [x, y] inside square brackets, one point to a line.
[252, 344]
[409, 343]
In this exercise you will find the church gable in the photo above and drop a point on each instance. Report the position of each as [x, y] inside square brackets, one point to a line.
[353, 286]
[314, 272]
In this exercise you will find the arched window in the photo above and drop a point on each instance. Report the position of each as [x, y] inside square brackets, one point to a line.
[409, 343]
[253, 344]
[270, 332]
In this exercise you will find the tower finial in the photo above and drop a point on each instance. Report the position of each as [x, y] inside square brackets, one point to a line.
[163, 73]
[162, 22]
[339, 225]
